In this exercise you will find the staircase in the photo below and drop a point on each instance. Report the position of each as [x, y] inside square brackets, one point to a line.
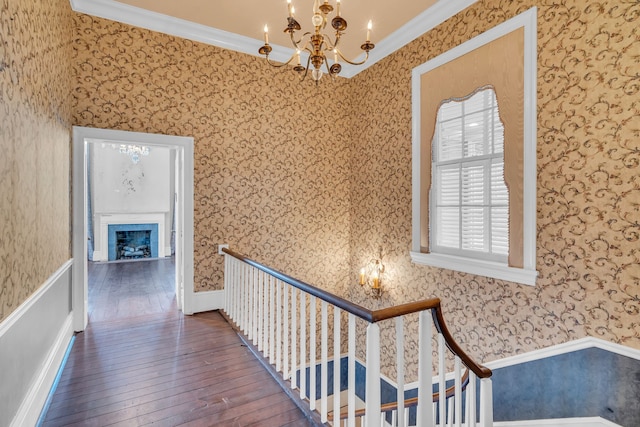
[288, 322]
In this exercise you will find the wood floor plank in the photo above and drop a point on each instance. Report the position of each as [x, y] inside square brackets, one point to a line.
[141, 362]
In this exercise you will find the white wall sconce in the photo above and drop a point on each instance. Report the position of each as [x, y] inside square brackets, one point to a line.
[371, 278]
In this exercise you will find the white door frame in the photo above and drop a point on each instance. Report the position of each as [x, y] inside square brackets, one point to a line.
[184, 224]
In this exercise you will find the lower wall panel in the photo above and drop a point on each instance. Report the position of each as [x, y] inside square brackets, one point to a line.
[33, 340]
[587, 382]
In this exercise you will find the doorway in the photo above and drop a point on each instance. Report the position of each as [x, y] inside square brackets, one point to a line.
[182, 147]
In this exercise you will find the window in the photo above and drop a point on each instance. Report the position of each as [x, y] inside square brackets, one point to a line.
[474, 155]
[469, 201]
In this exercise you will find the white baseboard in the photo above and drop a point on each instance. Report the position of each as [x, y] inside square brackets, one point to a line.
[32, 405]
[207, 301]
[559, 422]
[97, 256]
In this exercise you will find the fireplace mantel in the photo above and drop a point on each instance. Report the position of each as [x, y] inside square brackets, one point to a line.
[106, 219]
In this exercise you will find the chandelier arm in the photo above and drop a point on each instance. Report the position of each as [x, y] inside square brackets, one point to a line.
[277, 65]
[351, 62]
[331, 44]
[306, 70]
[294, 42]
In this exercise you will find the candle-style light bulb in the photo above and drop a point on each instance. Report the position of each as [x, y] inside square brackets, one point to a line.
[266, 34]
[293, 11]
[362, 276]
[335, 56]
[337, 7]
[298, 56]
[376, 280]
[369, 26]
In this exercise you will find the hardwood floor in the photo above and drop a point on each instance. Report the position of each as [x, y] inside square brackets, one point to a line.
[138, 365]
[132, 288]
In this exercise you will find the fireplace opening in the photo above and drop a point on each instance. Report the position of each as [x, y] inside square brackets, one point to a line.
[133, 244]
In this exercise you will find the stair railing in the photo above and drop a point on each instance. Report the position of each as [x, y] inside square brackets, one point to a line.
[271, 309]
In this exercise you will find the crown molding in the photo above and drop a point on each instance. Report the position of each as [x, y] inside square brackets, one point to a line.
[131, 15]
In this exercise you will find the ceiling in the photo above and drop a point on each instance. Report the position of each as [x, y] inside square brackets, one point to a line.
[238, 24]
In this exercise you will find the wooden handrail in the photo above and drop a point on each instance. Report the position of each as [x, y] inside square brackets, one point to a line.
[408, 403]
[373, 316]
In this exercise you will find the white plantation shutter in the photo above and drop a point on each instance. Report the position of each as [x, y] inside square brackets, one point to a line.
[470, 201]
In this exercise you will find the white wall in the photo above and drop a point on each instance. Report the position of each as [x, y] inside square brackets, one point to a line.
[120, 186]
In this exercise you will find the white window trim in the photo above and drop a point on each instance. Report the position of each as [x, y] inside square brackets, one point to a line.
[526, 275]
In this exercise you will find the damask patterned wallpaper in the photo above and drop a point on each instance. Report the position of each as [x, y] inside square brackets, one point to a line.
[277, 179]
[271, 166]
[35, 124]
[588, 188]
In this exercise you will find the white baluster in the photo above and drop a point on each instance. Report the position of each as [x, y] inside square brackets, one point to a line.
[471, 400]
[266, 282]
[278, 326]
[336, 363]
[303, 345]
[243, 295]
[294, 337]
[400, 371]
[272, 319]
[312, 353]
[324, 350]
[425, 406]
[260, 310]
[372, 393]
[256, 306]
[449, 404]
[236, 286]
[486, 402]
[285, 327]
[351, 388]
[442, 380]
[251, 305]
[458, 391]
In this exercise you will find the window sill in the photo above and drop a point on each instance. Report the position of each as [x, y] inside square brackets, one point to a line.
[479, 267]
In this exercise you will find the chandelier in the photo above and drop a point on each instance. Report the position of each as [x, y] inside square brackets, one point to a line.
[318, 44]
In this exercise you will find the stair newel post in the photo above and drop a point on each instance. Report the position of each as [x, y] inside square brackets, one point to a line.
[400, 369]
[372, 394]
[486, 402]
[351, 388]
[324, 363]
[336, 361]
[313, 343]
[425, 365]
[226, 287]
